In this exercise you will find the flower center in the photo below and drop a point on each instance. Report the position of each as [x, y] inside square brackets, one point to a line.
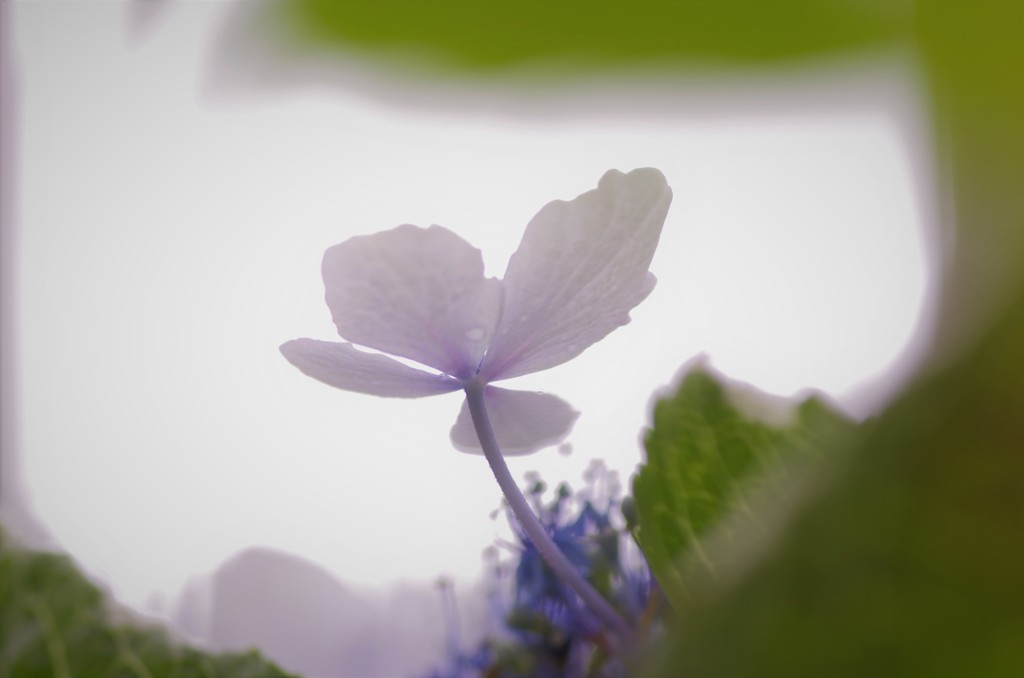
[477, 383]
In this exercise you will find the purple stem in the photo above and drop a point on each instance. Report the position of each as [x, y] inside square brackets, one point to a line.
[547, 548]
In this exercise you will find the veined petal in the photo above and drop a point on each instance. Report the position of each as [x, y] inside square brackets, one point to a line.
[346, 367]
[580, 268]
[414, 292]
[523, 421]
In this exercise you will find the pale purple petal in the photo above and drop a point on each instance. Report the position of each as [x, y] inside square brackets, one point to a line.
[580, 268]
[414, 292]
[523, 421]
[346, 367]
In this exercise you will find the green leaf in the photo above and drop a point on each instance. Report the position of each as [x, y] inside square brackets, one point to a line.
[973, 58]
[909, 563]
[707, 460]
[490, 35]
[53, 622]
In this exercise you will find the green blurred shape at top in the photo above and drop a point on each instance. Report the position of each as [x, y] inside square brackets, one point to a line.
[485, 35]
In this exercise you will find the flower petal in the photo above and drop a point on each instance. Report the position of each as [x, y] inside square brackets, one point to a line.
[523, 421]
[415, 292]
[579, 270]
[346, 367]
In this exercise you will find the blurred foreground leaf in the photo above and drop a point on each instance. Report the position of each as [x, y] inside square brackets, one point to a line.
[706, 460]
[586, 34]
[974, 59]
[53, 622]
[909, 563]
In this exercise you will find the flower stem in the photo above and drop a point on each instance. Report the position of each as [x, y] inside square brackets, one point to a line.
[547, 548]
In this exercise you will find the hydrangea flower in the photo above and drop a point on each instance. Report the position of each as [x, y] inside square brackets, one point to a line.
[542, 630]
[421, 294]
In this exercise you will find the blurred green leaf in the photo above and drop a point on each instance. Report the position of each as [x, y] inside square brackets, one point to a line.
[53, 622]
[707, 459]
[909, 563]
[487, 35]
[974, 60]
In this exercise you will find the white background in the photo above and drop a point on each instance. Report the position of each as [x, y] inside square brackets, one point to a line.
[175, 198]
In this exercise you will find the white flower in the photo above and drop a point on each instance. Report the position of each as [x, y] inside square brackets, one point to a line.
[420, 293]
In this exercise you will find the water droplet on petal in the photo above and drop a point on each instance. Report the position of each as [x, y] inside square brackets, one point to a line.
[475, 334]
